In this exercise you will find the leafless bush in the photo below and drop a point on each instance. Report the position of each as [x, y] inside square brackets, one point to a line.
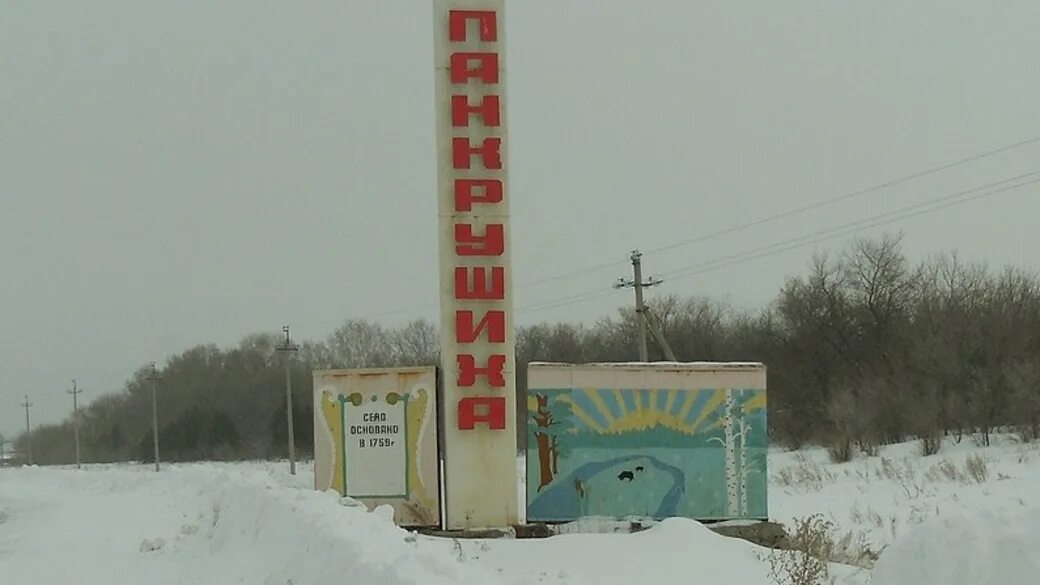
[905, 475]
[869, 446]
[840, 450]
[888, 470]
[854, 419]
[976, 468]
[930, 444]
[804, 563]
[841, 410]
[1024, 380]
[811, 546]
[853, 549]
[944, 470]
[1027, 453]
[870, 516]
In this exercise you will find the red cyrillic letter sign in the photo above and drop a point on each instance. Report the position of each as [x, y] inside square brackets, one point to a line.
[457, 25]
[489, 152]
[468, 370]
[482, 66]
[494, 412]
[489, 110]
[492, 243]
[481, 289]
[465, 198]
[494, 322]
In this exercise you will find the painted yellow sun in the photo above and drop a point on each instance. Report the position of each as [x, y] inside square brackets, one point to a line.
[612, 411]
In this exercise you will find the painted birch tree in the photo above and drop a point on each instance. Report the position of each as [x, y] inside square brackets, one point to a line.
[729, 424]
[729, 448]
[745, 429]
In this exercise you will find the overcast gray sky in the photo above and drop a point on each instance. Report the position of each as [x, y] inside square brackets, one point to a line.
[173, 173]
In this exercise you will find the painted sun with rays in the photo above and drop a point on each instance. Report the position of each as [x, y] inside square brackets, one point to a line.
[615, 411]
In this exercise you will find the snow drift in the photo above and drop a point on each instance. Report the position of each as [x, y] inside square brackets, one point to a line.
[982, 548]
[278, 536]
[248, 523]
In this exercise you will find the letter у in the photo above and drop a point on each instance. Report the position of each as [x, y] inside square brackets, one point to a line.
[468, 243]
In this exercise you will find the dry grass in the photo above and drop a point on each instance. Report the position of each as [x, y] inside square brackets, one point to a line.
[803, 473]
[805, 562]
[841, 450]
[930, 444]
[853, 549]
[811, 546]
[868, 517]
[975, 470]
[904, 474]
[944, 470]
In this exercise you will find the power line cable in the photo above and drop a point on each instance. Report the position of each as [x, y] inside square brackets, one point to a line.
[565, 301]
[796, 211]
[791, 244]
[747, 225]
[794, 243]
[764, 251]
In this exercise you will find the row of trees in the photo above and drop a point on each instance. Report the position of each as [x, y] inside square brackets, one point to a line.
[863, 350]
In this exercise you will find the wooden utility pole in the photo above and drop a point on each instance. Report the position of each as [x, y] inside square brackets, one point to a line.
[287, 348]
[154, 378]
[638, 284]
[28, 435]
[75, 418]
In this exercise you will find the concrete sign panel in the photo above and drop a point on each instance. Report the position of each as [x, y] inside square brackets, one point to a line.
[477, 333]
[375, 439]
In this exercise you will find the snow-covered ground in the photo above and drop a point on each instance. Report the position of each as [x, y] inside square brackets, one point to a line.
[880, 498]
[250, 523]
[941, 519]
[962, 516]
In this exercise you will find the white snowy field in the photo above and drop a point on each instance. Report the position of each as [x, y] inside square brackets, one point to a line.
[967, 515]
[879, 499]
[936, 520]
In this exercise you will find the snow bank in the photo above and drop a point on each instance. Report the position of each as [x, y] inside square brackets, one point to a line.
[278, 536]
[674, 552]
[884, 498]
[252, 523]
[967, 549]
[204, 523]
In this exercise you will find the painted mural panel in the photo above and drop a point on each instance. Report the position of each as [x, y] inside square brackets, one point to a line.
[649, 440]
[375, 439]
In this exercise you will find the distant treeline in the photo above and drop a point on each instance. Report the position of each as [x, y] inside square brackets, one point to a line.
[864, 349]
